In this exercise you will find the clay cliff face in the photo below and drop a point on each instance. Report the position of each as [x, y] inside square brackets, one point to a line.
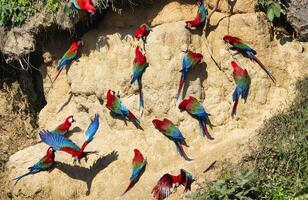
[106, 62]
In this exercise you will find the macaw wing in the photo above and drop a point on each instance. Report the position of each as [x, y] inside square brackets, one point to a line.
[202, 12]
[243, 46]
[138, 167]
[187, 179]
[187, 62]
[163, 187]
[67, 57]
[174, 132]
[124, 110]
[92, 129]
[59, 142]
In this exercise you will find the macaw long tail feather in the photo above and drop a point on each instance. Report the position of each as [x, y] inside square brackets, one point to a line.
[20, 177]
[180, 86]
[132, 117]
[205, 132]
[141, 102]
[234, 107]
[57, 75]
[131, 184]
[266, 69]
[181, 151]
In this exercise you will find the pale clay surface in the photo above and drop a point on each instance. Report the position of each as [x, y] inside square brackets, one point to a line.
[107, 64]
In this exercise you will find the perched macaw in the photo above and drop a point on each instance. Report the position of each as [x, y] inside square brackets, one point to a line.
[46, 163]
[63, 128]
[190, 59]
[139, 165]
[196, 110]
[168, 182]
[246, 50]
[200, 18]
[69, 56]
[173, 133]
[242, 82]
[140, 65]
[142, 32]
[61, 143]
[86, 5]
[115, 105]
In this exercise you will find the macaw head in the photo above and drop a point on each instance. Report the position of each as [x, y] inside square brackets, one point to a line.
[198, 57]
[157, 123]
[234, 65]
[50, 152]
[228, 38]
[183, 104]
[80, 43]
[70, 119]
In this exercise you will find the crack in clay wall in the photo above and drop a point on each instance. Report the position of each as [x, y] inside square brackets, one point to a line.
[108, 64]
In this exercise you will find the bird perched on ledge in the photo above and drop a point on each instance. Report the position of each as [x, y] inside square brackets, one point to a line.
[142, 32]
[200, 18]
[63, 128]
[196, 110]
[46, 163]
[242, 82]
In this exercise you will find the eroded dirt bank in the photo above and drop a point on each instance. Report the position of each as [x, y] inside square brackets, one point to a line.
[106, 62]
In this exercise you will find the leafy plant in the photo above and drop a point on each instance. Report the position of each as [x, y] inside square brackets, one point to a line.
[273, 8]
[15, 12]
[53, 5]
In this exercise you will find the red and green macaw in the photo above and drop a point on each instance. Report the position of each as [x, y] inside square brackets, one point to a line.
[173, 133]
[200, 18]
[196, 110]
[63, 128]
[115, 105]
[242, 82]
[61, 143]
[86, 5]
[69, 56]
[247, 51]
[168, 182]
[45, 164]
[190, 60]
[140, 65]
[139, 165]
[142, 32]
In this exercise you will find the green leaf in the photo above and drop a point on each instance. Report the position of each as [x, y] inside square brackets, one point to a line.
[270, 14]
[276, 9]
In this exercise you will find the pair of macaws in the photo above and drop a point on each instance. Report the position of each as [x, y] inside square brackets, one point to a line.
[240, 75]
[166, 183]
[58, 142]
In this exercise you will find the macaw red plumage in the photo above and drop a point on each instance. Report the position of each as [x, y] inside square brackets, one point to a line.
[139, 165]
[242, 82]
[173, 133]
[86, 5]
[115, 105]
[142, 32]
[247, 51]
[63, 128]
[44, 164]
[69, 56]
[168, 182]
[61, 143]
[140, 65]
[190, 59]
[196, 110]
[200, 18]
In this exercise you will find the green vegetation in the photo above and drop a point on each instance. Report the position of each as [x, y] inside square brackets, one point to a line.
[15, 12]
[272, 8]
[280, 162]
